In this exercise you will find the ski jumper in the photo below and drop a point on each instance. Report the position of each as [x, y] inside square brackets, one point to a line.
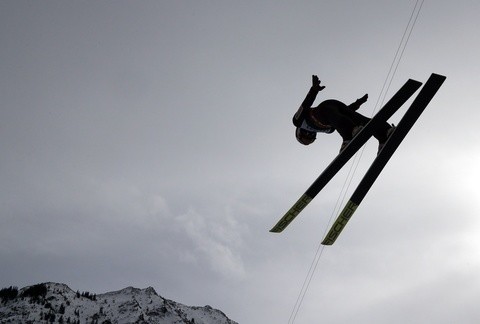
[331, 115]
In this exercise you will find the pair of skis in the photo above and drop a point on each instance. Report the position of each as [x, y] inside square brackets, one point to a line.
[415, 110]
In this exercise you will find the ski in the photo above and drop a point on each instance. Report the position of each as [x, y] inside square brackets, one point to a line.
[408, 120]
[402, 95]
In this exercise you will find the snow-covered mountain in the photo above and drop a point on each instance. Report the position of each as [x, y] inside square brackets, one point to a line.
[57, 303]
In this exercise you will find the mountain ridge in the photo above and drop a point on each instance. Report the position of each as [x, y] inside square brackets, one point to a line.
[52, 302]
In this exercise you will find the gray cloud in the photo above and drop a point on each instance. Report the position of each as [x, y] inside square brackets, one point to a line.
[151, 145]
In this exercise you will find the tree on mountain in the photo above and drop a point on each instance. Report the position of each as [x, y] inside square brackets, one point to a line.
[36, 292]
[9, 293]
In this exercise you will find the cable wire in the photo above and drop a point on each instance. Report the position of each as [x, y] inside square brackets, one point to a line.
[356, 161]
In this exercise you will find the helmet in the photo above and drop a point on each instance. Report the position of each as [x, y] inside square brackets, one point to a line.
[304, 136]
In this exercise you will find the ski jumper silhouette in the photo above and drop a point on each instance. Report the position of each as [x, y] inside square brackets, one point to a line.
[331, 115]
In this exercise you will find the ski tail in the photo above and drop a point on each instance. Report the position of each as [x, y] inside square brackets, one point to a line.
[292, 213]
[427, 93]
[340, 223]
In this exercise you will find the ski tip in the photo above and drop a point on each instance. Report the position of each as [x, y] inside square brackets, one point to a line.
[438, 76]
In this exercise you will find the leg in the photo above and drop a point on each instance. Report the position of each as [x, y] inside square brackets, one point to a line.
[380, 133]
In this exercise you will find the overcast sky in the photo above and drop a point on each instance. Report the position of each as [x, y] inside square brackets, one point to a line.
[149, 143]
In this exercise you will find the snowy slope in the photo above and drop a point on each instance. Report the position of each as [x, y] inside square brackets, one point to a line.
[57, 303]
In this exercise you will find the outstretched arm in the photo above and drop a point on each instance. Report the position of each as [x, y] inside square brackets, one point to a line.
[308, 101]
[312, 94]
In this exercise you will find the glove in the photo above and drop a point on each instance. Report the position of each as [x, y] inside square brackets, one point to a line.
[316, 83]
